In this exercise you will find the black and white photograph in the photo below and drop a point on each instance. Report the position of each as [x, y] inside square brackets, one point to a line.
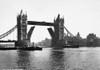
[49, 34]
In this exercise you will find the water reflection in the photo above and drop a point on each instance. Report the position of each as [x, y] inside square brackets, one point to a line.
[57, 60]
[51, 59]
[40, 59]
[23, 60]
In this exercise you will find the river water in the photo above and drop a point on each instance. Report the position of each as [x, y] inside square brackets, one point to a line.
[51, 59]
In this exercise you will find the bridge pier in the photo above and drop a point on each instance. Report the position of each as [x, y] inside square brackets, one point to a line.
[25, 43]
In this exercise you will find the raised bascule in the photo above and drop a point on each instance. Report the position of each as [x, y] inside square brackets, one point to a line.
[24, 37]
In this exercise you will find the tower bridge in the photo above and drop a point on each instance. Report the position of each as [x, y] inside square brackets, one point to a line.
[23, 37]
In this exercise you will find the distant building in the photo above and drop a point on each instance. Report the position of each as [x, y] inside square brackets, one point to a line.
[92, 40]
[76, 40]
[44, 43]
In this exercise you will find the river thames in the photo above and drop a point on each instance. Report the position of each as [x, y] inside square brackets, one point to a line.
[51, 59]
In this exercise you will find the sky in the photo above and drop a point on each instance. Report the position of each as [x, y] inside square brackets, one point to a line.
[79, 16]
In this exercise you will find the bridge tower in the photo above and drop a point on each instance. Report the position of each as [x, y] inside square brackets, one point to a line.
[22, 37]
[58, 39]
[22, 26]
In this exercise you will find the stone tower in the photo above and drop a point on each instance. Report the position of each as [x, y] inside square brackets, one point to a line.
[22, 26]
[22, 37]
[58, 31]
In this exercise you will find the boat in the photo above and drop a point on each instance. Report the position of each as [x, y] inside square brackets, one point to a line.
[66, 46]
[23, 48]
[72, 46]
[30, 48]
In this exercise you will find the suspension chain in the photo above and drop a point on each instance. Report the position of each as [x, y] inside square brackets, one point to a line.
[8, 32]
[69, 32]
